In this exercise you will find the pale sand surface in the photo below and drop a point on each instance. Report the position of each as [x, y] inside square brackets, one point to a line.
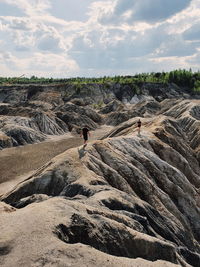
[17, 163]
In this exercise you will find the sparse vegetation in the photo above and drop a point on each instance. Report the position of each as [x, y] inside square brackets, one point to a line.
[99, 105]
[183, 78]
[197, 85]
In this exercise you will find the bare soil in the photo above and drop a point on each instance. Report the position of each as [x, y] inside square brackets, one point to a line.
[15, 162]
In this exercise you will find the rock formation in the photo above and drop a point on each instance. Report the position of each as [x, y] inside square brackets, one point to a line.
[124, 200]
[55, 109]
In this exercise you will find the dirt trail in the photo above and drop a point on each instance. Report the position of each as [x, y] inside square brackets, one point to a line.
[15, 162]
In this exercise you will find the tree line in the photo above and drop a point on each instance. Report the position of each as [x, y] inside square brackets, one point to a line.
[186, 79]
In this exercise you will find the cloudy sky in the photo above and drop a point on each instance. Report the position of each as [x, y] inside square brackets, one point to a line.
[69, 38]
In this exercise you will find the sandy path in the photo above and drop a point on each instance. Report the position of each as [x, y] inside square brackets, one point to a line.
[15, 162]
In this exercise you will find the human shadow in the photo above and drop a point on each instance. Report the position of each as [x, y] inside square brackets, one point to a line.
[82, 151]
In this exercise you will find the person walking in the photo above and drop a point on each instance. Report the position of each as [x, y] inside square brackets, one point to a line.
[85, 132]
[139, 124]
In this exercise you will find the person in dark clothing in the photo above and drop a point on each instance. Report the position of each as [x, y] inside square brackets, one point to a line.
[85, 132]
[139, 124]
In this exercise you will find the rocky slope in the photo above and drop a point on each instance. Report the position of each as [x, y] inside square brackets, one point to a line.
[29, 113]
[125, 200]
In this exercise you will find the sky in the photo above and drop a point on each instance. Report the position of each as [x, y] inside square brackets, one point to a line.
[93, 38]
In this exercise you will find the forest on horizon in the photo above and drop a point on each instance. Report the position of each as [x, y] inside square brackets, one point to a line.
[184, 78]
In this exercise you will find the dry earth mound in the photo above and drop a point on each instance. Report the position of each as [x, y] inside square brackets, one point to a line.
[125, 200]
[124, 196]
[65, 107]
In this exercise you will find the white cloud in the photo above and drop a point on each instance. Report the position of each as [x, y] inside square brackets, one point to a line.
[169, 63]
[41, 64]
[16, 23]
[111, 36]
[31, 7]
[146, 10]
[54, 64]
[193, 33]
[194, 60]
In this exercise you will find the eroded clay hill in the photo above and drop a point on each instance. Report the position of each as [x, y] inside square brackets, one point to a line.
[125, 200]
[31, 113]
